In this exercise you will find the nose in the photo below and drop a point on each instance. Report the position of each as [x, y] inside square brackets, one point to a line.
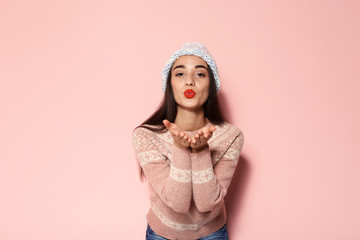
[189, 81]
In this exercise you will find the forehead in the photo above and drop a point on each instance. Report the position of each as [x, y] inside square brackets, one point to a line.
[189, 60]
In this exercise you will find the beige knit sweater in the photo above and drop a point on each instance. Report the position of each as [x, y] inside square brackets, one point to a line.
[187, 189]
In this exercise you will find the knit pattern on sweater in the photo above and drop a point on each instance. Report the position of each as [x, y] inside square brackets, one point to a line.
[187, 189]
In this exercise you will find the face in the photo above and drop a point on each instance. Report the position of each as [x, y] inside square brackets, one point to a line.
[190, 82]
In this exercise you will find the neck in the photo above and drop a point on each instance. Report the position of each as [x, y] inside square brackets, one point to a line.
[190, 120]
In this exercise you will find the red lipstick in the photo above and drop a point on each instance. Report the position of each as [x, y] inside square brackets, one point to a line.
[189, 93]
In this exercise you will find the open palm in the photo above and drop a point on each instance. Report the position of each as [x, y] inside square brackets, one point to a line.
[184, 141]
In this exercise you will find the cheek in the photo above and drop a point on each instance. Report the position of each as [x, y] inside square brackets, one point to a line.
[174, 85]
[205, 91]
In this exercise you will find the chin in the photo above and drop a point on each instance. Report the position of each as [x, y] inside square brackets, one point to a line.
[191, 106]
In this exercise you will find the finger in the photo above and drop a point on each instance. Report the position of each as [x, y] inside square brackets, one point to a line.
[197, 143]
[206, 133]
[169, 125]
[211, 129]
[181, 134]
[207, 139]
[173, 134]
[166, 123]
[208, 136]
[202, 140]
[195, 140]
[185, 141]
[185, 138]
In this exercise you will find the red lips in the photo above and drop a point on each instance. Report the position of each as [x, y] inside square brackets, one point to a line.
[189, 93]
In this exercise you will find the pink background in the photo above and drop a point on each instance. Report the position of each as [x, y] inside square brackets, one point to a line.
[78, 76]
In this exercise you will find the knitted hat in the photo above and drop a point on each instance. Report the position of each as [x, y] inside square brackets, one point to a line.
[191, 48]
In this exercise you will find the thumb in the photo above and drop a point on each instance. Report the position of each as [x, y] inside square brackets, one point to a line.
[166, 123]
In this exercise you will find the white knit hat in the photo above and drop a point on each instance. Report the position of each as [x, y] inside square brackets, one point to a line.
[191, 48]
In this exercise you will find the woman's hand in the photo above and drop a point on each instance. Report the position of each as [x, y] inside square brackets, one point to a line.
[199, 141]
[181, 139]
[196, 143]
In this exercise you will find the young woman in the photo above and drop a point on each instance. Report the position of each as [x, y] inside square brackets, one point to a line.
[187, 151]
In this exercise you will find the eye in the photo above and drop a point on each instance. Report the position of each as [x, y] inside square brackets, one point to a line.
[201, 75]
[180, 74]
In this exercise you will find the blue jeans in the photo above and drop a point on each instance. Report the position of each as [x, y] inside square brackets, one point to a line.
[220, 234]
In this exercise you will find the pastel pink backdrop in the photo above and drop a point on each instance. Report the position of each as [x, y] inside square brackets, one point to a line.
[77, 76]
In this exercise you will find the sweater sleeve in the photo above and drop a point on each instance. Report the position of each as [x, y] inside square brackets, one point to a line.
[210, 183]
[172, 182]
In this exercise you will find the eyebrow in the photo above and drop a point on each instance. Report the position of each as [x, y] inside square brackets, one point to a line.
[197, 66]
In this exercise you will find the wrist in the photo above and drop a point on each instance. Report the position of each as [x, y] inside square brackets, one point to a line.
[182, 147]
[200, 149]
